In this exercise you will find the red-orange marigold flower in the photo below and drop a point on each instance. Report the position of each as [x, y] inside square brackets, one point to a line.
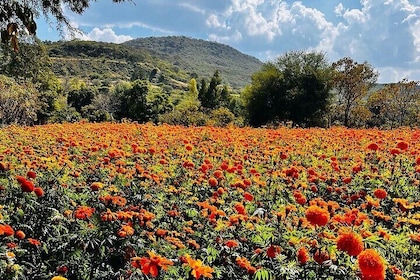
[150, 265]
[371, 265]
[303, 255]
[6, 230]
[213, 182]
[20, 234]
[34, 242]
[31, 174]
[380, 193]
[231, 243]
[248, 196]
[317, 215]
[244, 263]
[26, 185]
[273, 250]
[83, 212]
[240, 208]
[373, 146]
[351, 243]
[402, 145]
[197, 268]
[39, 192]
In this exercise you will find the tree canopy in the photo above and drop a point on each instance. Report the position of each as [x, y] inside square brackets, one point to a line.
[19, 15]
[294, 88]
[352, 81]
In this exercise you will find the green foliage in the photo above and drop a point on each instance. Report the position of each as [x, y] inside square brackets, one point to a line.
[294, 88]
[19, 103]
[395, 105]
[201, 57]
[213, 95]
[134, 102]
[352, 82]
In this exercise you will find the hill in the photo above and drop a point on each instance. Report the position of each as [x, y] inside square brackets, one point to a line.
[201, 58]
[166, 60]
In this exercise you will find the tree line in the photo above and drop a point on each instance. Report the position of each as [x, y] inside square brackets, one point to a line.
[302, 88]
[298, 87]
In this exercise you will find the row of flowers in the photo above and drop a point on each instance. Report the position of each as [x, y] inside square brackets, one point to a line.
[131, 201]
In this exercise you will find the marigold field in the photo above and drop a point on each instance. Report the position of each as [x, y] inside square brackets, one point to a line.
[139, 201]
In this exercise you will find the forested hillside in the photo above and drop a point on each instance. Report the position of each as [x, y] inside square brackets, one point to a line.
[167, 60]
[201, 58]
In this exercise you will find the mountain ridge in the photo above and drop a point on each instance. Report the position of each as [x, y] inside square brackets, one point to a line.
[174, 58]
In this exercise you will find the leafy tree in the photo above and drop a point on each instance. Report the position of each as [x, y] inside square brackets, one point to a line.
[192, 88]
[158, 103]
[213, 95]
[133, 101]
[296, 87]
[78, 98]
[19, 14]
[18, 102]
[395, 104]
[32, 65]
[352, 81]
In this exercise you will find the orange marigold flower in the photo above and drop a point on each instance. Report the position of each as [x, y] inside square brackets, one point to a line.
[161, 232]
[108, 216]
[273, 250]
[6, 230]
[231, 243]
[303, 255]
[373, 146]
[20, 234]
[150, 265]
[415, 237]
[198, 269]
[125, 230]
[248, 196]
[351, 243]
[240, 208]
[39, 192]
[213, 182]
[371, 265]
[317, 215]
[402, 145]
[34, 242]
[244, 263]
[83, 212]
[380, 193]
[31, 174]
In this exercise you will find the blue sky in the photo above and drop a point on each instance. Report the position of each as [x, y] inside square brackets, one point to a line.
[385, 33]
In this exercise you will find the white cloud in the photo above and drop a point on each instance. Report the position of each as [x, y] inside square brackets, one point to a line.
[213, 21]
[338, 10]
[103, 35]
[193, 8]
[235, 37]
[384, 33]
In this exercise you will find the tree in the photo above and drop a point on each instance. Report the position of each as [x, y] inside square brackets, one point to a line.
[213, 95]
[352, 81]
[395, 104]
[32, 65]
[18, 102]
[296, 87]
[19, 14]
[133, 101]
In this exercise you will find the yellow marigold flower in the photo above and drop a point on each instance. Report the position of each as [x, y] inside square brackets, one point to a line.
[59, 278]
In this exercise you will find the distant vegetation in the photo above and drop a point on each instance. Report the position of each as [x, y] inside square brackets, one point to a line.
[179, 80]
[200, 57]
